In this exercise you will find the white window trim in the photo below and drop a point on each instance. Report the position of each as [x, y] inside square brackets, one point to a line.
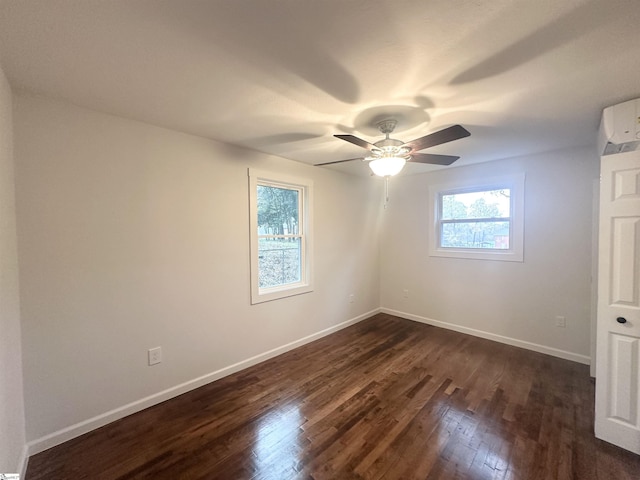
[305, 285]
[515, 253]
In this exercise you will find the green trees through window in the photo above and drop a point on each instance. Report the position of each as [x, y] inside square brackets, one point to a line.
[476, 219]
[277, 210]
[279, 239]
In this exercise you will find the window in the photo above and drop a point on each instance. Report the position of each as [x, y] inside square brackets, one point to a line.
[281, 254]
[479, 220]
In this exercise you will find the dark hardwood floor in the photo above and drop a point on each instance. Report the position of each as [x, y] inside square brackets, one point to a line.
[387, 398]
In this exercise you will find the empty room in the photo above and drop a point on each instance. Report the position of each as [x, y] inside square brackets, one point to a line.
[319, 239]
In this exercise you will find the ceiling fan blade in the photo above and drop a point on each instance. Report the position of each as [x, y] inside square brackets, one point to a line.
[357, 141]
[433, 159]
[443, 136]
[338, 161]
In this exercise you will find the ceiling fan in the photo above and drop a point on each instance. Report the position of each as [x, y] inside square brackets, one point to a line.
[388, 156]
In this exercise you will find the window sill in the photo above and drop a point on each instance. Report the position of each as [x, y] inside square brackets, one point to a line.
[496, 255]
[275, 293]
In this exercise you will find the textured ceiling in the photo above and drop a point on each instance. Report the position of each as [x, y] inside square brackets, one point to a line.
[283, 76]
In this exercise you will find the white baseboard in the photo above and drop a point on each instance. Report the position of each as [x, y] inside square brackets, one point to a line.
[65, 434]
[575, 357]
[23, 461]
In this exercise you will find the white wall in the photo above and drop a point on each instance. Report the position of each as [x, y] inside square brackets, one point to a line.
[515, 300]
[12, 428]
[133, 236]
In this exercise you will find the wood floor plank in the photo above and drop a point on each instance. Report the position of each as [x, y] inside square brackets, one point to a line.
[386, 398]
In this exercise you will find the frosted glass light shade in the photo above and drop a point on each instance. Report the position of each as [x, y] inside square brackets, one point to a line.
[387, 166]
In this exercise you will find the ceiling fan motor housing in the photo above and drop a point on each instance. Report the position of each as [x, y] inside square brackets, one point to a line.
[389, 147]
[388, 142]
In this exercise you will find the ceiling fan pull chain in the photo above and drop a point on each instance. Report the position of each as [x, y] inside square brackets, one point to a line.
[386, 191]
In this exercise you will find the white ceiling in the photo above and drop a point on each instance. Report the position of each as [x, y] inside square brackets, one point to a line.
[283, 76]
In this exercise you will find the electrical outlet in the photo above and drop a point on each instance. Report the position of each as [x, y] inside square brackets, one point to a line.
[405, 293]
[155, 355]
[351, 298]
[561, 322]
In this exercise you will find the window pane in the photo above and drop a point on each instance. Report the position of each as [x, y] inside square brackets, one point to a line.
[278, 261]
[485, 204]
[277, 211]
[475, 235]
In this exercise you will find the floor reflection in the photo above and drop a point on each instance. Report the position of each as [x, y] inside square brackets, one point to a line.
[278, 443]
[479, 440]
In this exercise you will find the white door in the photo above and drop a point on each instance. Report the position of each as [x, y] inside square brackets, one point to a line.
[618, 325]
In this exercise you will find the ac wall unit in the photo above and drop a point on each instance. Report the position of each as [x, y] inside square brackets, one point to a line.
[620, 128]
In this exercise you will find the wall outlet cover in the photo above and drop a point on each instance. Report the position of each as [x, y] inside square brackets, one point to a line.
[155, 355]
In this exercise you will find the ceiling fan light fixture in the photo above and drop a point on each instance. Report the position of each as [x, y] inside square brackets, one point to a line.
[388, 156]
[387, 166]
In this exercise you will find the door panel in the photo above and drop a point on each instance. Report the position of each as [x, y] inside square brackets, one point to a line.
[624, 389]
[626, 183]
[624, 270]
